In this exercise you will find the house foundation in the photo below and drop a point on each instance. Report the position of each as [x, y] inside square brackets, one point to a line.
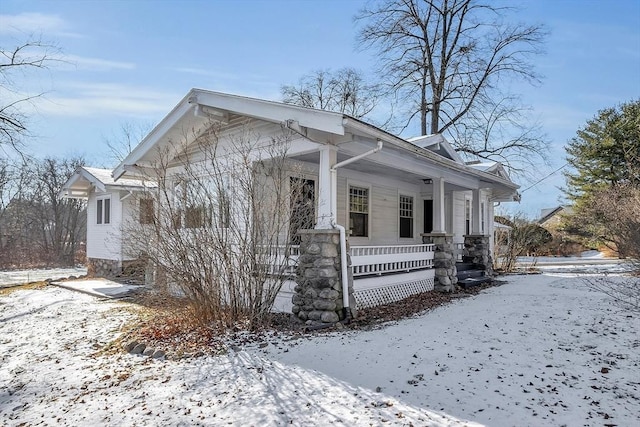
[100, 267]
[132, 270]
[444, 260]
[318, 292]
[477, 251]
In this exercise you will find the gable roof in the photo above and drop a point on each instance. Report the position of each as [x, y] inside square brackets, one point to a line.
[199, 107]
[85, 178]
[494, 168]
[548, 213]
[438, 144]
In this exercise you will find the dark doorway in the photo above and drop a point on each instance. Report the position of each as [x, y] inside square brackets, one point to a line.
[303, 212]
[428, 216]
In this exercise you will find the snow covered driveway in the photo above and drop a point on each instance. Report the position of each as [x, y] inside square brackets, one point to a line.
[540, 350]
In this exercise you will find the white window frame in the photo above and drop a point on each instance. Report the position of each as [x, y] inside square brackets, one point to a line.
[413, 214]
[362, 185]
[104, 218]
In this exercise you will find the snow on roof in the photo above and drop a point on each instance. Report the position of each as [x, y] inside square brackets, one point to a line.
[85, 178]
[104, 176]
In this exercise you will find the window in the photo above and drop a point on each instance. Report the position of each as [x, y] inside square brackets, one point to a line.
[359, 211]
[482, 216]
[302, 206]
[467, 216]
[406, 216]
[103, 210]
[146, 211]
[203, 202]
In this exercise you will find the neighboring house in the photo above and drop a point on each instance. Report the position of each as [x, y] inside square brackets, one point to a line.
[109, 204]
[551, 218]
[395, 197]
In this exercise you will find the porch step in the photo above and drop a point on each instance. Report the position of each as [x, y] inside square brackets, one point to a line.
[469, 274]
[464, 266]
[473, 281]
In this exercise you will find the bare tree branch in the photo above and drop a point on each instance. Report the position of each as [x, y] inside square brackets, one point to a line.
[446, 59]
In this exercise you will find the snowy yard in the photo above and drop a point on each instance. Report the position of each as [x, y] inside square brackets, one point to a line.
[539, 350]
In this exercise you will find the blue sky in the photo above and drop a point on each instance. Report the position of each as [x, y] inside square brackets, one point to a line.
[132, 61]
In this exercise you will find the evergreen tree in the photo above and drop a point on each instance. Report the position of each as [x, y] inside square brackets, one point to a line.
[606, 152]
[605, 185]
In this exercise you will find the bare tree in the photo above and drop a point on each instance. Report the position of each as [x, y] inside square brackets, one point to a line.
[343, 91]
[521, 238]
[445, 58]
[502, 130]
[219, 229]
[34, 54]
[625, 291]
[121, 143]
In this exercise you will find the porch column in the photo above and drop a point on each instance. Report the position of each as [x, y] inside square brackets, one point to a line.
[438, 206]
[328, 157]
[475, 212]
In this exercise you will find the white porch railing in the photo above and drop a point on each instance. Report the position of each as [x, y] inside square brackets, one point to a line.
[458, 250]
[371, 260]
[368, 260]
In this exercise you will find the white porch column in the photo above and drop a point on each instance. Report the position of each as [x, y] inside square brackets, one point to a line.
[438, 206]
[328, 158]
[475, 212]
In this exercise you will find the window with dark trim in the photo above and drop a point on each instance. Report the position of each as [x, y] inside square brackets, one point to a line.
[359, 211]
[406, 216]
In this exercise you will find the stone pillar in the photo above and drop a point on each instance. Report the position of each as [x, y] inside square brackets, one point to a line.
[478, 252]
[318, 292]
[444, 260]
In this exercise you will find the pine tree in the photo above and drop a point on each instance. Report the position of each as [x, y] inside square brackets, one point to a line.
[606, 152]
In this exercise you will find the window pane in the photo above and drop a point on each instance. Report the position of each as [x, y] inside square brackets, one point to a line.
[107, 211]
[406, 216]
[359, 224]
[99, 212]
[193, 217]
[146, 211]
[406, 227]
[358, 211]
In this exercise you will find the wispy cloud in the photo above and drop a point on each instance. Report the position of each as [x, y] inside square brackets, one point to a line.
[35, 23]
[100, 99]
[97, 64]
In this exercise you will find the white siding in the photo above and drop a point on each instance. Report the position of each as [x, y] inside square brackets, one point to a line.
[103, 240]
[383, 207]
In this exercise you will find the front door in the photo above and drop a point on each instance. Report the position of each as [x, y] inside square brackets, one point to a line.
[428, 216]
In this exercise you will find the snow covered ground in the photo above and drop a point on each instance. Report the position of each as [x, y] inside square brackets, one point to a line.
[14, 277]
[539, 350]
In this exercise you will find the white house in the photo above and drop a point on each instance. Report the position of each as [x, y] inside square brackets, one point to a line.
[109, 204]
[394, 197]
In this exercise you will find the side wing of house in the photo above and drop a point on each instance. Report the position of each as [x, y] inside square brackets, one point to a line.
[109, 206]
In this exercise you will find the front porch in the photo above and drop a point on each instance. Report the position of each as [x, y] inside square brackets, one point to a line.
[384, 274]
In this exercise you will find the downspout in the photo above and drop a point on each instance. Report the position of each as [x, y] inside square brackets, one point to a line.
[343, 234]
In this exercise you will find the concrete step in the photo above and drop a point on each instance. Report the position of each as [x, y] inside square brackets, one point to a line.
[469, 274]
[473, 281]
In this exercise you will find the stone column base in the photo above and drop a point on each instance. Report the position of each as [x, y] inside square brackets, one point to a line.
[444, 260]
[477, 252]
[318, 293]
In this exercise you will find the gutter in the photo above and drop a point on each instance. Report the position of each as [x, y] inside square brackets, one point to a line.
[343, 234]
